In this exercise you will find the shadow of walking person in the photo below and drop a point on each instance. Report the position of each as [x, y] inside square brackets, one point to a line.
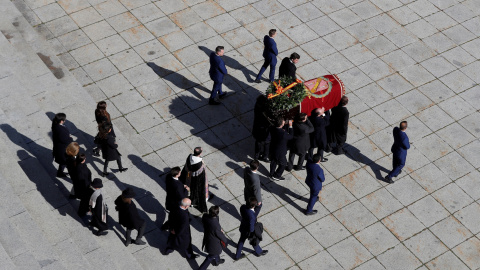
[175, 78]
[355, 154]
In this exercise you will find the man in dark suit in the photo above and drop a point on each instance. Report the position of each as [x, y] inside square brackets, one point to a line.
[270, 53]
[287, 67]
[314, 180]
[302, 127]
[318, 138]
[249, 213]
[180, 237]
[339, 122]
[399, 149]
[278, 148]
[214, 239]
[253, 188]
[261, 130]
[217, 72]
[176, 191]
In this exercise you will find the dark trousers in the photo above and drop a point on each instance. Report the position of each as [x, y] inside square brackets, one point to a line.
[241, 241]
[61, 168]
[272, 65]
[208, 260]
[217, 89]
[291, 159]
[397, 165]
[119, 163]
[311, 150]
[277, 172]
[187, 252]
[262, 149]
[128, 235]
[313, 199]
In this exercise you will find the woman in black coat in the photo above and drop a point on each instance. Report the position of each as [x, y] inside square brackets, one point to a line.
[101, 116]
[318, 138]
[214, 239]
[109, 148]
[61, 138]
[128, 216]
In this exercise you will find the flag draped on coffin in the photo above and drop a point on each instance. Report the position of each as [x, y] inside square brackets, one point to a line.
[325, 91]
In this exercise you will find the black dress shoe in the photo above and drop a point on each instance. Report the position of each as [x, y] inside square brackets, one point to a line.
[288, 169]
[258, 81]
[105, 174]
[389, 180]
[241, 257]
[297, 168]
[222, 96]
[139, 242]
[167, 251]
[100, 233]
[279, 178]
[219, 262]
[262, 254]
[123, 169]
[311, 213]
[213, 102]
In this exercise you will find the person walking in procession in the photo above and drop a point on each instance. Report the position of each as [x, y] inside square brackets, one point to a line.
[318, 138]
[249, 213]
[176, 191]
[302, 127]
[314, 180]
[194, 177]
[399, 149]
[61, 139]
[288, 68]
[217, 72]
[180, 236]
[109, 148]
[214, 239]
[339, 126]
[270, 53]
[129, 218]
[98, 208]
[278, 148]
[252, 182]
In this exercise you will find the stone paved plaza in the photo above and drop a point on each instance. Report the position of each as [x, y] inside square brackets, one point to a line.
[414, 60]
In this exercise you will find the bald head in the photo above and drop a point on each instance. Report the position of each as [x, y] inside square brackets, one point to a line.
[186, 202]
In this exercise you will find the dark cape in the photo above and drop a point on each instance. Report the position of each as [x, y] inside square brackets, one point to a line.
[128, 214]
[194, 176]
[339, 124]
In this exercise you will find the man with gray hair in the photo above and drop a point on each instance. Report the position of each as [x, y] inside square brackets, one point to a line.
[180, 237]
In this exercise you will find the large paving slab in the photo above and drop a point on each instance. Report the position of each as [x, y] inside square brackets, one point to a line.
[417, 60]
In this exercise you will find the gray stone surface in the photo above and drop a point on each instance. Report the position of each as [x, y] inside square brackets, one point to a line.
[400, 60]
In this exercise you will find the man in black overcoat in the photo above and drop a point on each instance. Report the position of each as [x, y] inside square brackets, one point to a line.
[61, 139]
[214, 239]
[252, 182]
[180, 237]
[339, 123]
[278, 148]
[129, 218]
[260, 130]
[176, 191]
[301, 141]
[318, 138]
[287, 67]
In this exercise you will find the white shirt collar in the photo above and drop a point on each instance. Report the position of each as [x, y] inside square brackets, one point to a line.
[175, 178]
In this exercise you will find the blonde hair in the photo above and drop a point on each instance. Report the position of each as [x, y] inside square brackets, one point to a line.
[72, 149]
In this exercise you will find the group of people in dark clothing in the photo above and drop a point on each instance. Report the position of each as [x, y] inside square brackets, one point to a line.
[67, 154]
